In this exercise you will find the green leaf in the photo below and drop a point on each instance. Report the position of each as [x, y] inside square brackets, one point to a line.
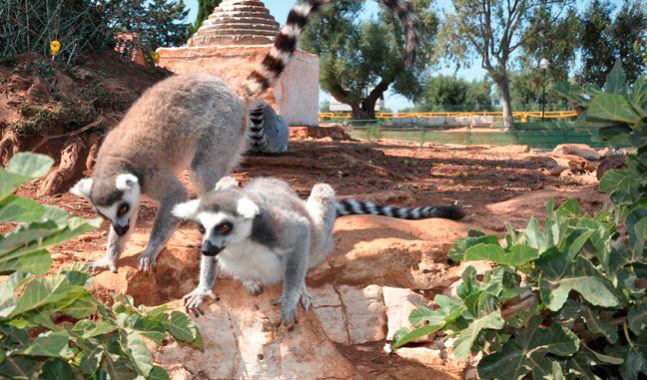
[158, 373]
[91, 356]
[30, 164]
[639, 96]
[474, 237]
[44, 291]
[560, 276]
[54, 344]
[576, 246]
[18, 367]
[466, 338]
[596, 325]
[637, 318]
[619, 180]
[639, 237]
[117, 367]
[557, 374]
[519, 255]
[613, 107]
[140, 354]
[100, 329]
[57, 369]
[180, 326]
[526, 351]
[404, 336]
[9, 182]
[616, 79]
[534, 236]
[570, 208]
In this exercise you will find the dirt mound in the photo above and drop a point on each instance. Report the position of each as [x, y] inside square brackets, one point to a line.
[64, 111]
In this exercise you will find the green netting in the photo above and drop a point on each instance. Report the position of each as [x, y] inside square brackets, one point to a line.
[28, 25]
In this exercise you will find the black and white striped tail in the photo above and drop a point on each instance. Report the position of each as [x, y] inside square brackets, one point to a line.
[256, 132]
[354, 207]
[285, 43]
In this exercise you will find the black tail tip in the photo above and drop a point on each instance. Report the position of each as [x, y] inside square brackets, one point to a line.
[450, 212]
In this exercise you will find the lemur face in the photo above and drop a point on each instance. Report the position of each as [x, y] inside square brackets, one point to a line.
[116, 201]
[219, 228]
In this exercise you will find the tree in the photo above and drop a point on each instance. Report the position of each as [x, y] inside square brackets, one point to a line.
[158, 22]
[361, 60]
[603, 41]
[205, 7]
[448, 93]
[492, 30]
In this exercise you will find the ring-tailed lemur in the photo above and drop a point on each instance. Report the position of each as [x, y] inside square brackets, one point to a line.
[268, 132]
[264, 233]
[194, 121]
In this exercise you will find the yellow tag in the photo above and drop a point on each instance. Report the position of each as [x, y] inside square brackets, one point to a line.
[156, 57]
[54, 47]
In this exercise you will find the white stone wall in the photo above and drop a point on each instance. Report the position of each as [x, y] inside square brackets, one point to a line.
[297, 90]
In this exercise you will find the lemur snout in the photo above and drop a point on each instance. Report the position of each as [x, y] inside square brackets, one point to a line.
[209, 249]
[121, 230]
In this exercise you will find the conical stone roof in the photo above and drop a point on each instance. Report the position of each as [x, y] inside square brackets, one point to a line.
[237, 22]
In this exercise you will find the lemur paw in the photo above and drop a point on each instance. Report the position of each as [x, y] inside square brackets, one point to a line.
[147, 262]
[254, 288]
[289, 318]
[98, 266]
[306, 300]
[193, 300]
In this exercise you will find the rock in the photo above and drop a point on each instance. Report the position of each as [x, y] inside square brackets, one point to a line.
[556, 172]
[239, 344]
[604, 152]
[509, 149]
[39, 91]
[350, 315]
[390, 252]
[399, 304]
[540, 162]
[580, 166]
[580, 150]
[616, 161]
[17, 83]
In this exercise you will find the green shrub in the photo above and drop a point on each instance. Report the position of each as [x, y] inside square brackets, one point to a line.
[566, 301]
[39, 119]
[51, 327]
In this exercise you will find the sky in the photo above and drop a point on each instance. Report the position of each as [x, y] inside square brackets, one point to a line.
[280, 8]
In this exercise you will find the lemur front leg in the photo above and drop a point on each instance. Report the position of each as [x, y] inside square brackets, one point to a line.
[115, 247]
[208, 273]
[165, 222]
[295, 266]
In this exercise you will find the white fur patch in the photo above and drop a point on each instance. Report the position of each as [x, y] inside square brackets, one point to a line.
[126, 181]
[226, 183]
[209, 219]
[186, 210]
[247, 208]
[82, 188]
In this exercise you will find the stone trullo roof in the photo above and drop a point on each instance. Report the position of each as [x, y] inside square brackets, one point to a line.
[237, 22]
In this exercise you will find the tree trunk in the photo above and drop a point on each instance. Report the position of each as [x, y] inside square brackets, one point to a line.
[504, 87]
[361, 113]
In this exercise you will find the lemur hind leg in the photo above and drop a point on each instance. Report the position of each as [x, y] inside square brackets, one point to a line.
[254, 288]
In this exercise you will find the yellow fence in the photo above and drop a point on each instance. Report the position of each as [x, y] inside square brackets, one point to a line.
[523, 115]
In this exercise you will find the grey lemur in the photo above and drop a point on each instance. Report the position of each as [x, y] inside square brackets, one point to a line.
[263, 233]
[268, 132]
[189, 121]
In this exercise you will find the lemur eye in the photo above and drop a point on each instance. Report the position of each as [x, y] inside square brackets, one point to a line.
[122, 210]
[201, 229]
[225, 228]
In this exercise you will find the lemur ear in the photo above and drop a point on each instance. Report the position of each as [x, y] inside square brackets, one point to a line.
[247, 208]
[126, 181]
[186, 210]
[226, 183]
[82, 188]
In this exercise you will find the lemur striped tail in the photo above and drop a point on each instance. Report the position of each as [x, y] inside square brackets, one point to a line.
[264, 76]
[354, 207]
[256, 132]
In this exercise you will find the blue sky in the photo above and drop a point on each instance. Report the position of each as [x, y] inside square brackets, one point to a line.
[280, 8]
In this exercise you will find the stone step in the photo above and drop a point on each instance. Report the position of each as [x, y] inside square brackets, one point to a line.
[239, 26]
[234, 22]
[248, 32]
[243, 19]
[237, 8]
[255, 3]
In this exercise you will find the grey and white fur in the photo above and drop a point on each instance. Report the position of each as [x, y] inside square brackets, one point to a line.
[268, 131]
[263, 233]
[189, 121]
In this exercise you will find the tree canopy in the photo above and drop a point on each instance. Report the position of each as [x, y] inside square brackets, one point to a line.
[361, 60]
[493, 30]
[448, 93]
[205, 7]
